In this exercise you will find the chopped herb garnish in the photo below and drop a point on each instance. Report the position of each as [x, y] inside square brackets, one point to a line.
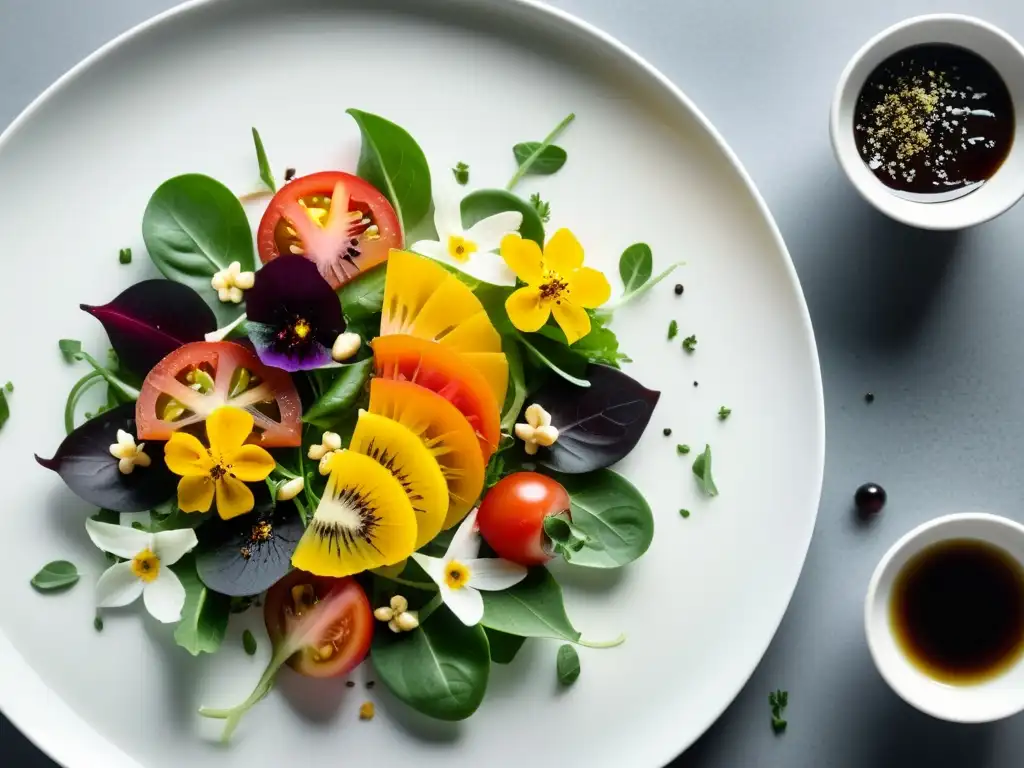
[543, 209]
[682, 449]
[70, 348]
[673, 330]
[97, 623]
[667, 432]
[125, 255]
[9, 386]
[461, 173]
[684, 513]
[249, 642]
[690, 343]
[702, 469]
[5, 409]
[723, 413]
[778, 701]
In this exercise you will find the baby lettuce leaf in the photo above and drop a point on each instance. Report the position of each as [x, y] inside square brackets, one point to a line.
[596, 426]
[363, 297]
[194, 227]
[504, 646]
[532, 608]
[204, 619]
[635, 266]
[60, 574]
[702, 471]
[249, 553]
[84, 463]
[487, 202]
[333, 404]
[393, 162]
[150, 320]
[613, 514]
[567, 664]
[439, 669]
[545, 160]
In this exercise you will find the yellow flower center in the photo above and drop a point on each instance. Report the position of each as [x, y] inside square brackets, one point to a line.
[301, 328]
[456, 575]
[146, 565]
[554, 287]
[460, 249]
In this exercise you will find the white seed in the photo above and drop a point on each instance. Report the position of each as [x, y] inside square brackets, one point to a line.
[408, 621]
[316, 452]
[536, 416]
[332, 441]
[291, 489]
[524, 432]
[245, 280]
[325, 463]
[384, 614]
[393, 626]
[545, 436]
[235, 294]
[530, 448]
[127, 466]
[399, 604]
[346, 345]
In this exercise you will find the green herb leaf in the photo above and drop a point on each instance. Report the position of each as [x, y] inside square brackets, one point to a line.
[461, 173]
[673, 330]
[333, 404]
[684, 513]
[194, 227]
[439, 669]
[682, 449]
[249, 642]
[70, 348]
[542, 208]
[9, 386]
[125, 256]
[635, 267]
[266, 175]
[97, 623]
[393, 162]
[504, 646]
[204, 619]
[487, 202]
[566, 538]
[690, 343]
[568, 665]
[363, 297]
[5, 409]
[60, 574]
[702, 469]
[547, 159]
[531, 608]
[778, 701]
[723, 413]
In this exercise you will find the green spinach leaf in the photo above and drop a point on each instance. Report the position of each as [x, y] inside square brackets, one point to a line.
[60, 574]
[635, 266]
[532, 608]
[504, 646]
[538, 150]
[363, 297]
[204, 619]
[487, 202]
[702, 469]
[568, 665]
[543, 160]
[333, 404]
[266, 175]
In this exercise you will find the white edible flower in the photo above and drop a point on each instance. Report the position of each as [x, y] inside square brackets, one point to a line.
[330, 442]
[291, 489]
[398, 616]
[144, 570]
[346, 345]
[537, 431]
[229, 283]
[129, 454]
[469, 250]
[460, 574]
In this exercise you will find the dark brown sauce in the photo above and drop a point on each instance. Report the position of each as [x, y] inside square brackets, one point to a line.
[957, 610]
[934, 122]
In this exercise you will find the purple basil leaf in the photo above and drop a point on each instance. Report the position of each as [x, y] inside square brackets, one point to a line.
[249, 553]
[84, 462]
[597, 426]
[152, 319]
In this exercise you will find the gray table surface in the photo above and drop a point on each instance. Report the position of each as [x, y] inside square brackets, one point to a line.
[931, 323]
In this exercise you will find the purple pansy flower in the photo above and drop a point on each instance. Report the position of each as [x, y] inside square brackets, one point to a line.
[294, 316]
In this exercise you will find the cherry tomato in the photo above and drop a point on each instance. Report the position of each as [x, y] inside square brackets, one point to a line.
[187, 385]
[511, 516]
[334, 219]
[328, 621]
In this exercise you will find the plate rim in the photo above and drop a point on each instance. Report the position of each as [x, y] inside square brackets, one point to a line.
[31, 719]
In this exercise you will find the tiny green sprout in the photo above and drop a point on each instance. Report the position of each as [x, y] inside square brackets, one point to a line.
[673, 330]
[682, 449]
[125, 255]
[723, 413]
[778, 701]
[542, 208]
[690, 343]
[684, 513]
[461, 173]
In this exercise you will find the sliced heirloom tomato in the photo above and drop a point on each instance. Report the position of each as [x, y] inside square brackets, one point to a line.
[336, 220]
[194, 380]
[447, 373]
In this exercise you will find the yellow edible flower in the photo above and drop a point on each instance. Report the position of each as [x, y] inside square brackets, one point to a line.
[223, 469]
[556, 283]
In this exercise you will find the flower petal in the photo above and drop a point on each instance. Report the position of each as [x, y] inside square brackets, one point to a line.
[120, 540]
[233, 498]
[447, 212]
[305, 358]
[488, 233]
[250, 463]
[589, 288]
[488, 267]
[493, 573]
[227, 428]
[563, 253]
[171, 546]
[293, 286]
[184, 455]
[465, 543]
[465, 603]
[573, 320]
[432, 566]
[164, 596]
[432, 249]
[524, 258]
[117, 586]
[195, 494]
[526, 310]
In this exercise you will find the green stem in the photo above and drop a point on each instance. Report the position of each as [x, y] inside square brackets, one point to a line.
[234, 715]
[628, 297]
[127, 390]
[567, 376]
[548, 141]
[303, 514]
[605, 644]
[83, 384]
[283, 472]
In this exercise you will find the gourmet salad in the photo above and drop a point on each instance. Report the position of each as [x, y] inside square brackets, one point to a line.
[378, 432]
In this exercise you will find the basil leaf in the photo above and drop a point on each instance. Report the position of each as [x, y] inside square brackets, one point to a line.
[392, 161]
[702, 469]
[635, 266]
[204, 619]
[266, 175]
[504, 646]
[194, 227]
[333, 404]
[544, 160]
[614, 516]
[59, 574]
[439, 669]
[531, 608]
[487, 202]
[363, 297]
[568, 665]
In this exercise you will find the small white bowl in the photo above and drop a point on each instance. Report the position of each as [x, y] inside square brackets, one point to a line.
[990, 700]
[998, 194]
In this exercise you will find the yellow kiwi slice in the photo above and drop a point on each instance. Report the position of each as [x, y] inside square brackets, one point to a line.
[363, 521]
[403, 454]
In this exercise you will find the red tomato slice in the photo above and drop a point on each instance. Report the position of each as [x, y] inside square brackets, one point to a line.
[511, 516]
[333, 617]
[187, 385]
[334, 219]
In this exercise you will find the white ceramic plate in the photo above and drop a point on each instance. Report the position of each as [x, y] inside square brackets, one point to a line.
[468, 80]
